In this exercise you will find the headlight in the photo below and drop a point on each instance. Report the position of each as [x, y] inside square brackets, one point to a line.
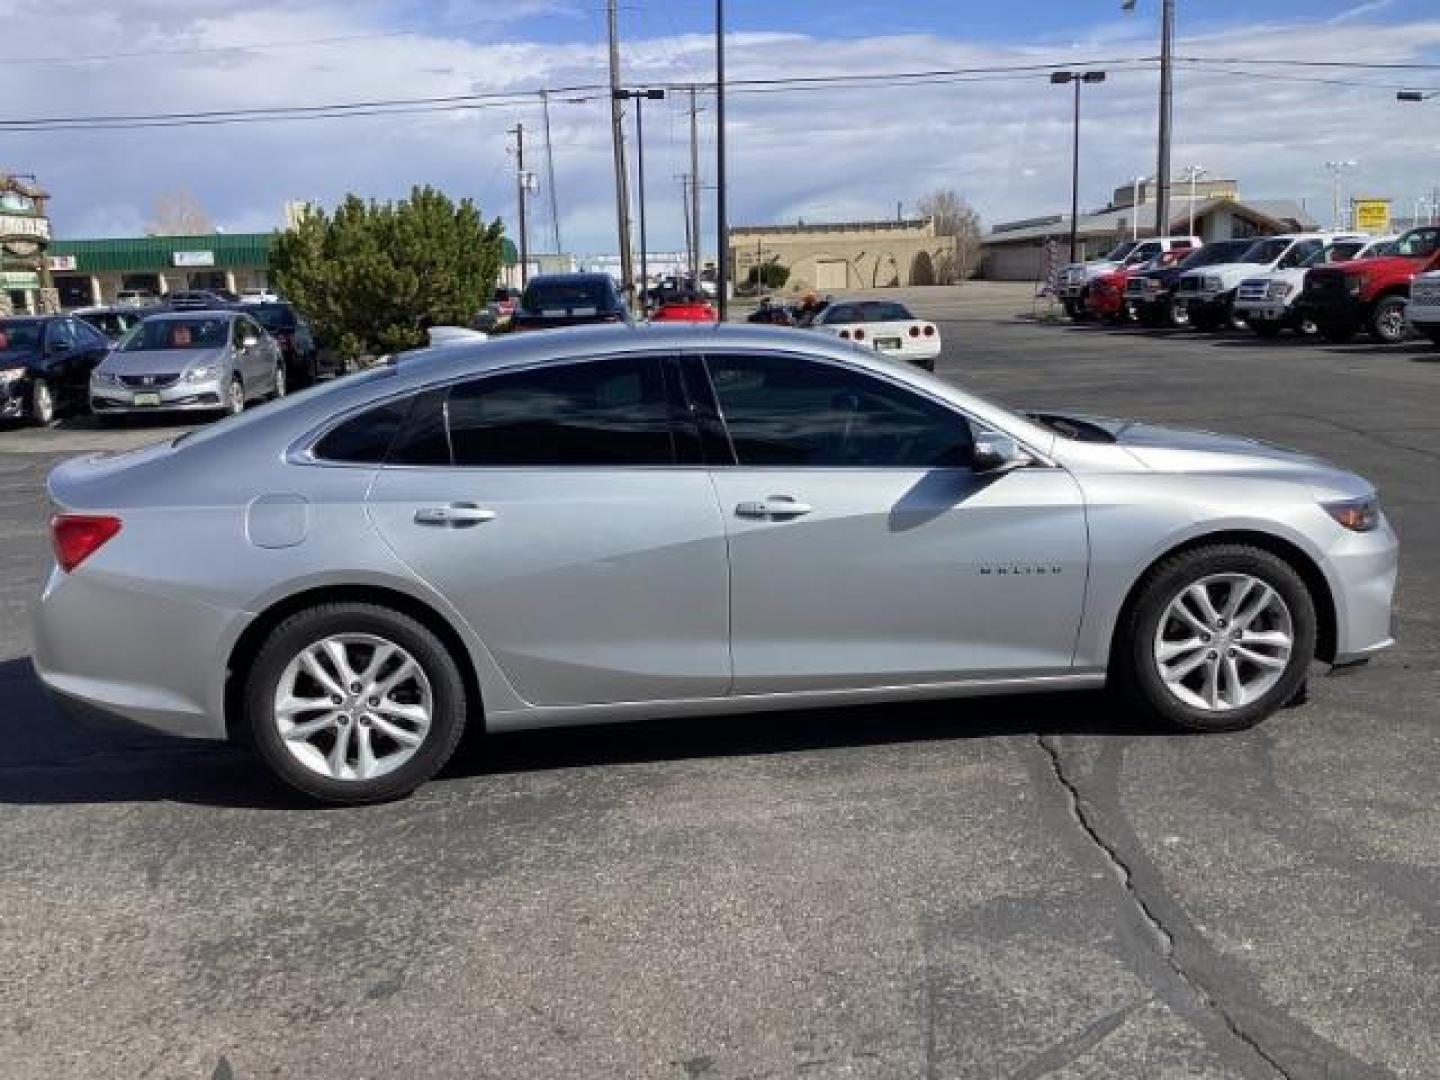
[203, 373]
[1280, 290]
[10, 375]
[1357, 515]
[1214, 284]
[106, 377]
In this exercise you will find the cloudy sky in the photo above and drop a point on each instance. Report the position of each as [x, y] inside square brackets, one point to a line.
[855, 152]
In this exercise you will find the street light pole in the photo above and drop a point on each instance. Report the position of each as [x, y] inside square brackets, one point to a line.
[639, 96]
[1060, 78]
[1193, 173]
[722, 228]
[1336, 169]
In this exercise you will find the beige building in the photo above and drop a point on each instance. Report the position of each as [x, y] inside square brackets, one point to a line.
[837, 256]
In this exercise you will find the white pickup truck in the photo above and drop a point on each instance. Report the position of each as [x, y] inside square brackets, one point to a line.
[1075, 278]
[1423, 311]
[1210, 293]
[1267, 301]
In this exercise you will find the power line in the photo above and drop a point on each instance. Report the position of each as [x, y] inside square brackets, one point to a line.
[1288, 62]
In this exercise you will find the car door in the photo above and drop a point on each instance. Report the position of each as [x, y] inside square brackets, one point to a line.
[562, 510]
[865, 551]
[60, 361]
[91, 346]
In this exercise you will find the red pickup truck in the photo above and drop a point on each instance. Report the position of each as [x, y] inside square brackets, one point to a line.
[1369, 294]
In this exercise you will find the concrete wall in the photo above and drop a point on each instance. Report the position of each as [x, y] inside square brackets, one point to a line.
[864, 257]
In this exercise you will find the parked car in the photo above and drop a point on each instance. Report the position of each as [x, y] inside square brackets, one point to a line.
[770, 313]
[135, 297]
[1106, 296]
[195, 361]
[553, 300]
[45, 364]
[682, 307]
[1075, 278]
[113, 322]
[697, 521]
[1371, 294]
[259, 296]
[196, 299]
[1269, 303]
[1209, 294]
[295, 339]
[1424, 308]
[883, 325]
[1151, 293]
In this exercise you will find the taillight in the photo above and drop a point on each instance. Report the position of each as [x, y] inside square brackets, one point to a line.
[76, 537]
[859, 334]
[929, 331]
[914, 331]
[845, 334]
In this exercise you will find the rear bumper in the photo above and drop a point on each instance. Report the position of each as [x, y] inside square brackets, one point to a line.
[132, 656]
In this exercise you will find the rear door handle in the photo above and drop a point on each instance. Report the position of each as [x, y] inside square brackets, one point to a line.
[456, 515]
[776, 506]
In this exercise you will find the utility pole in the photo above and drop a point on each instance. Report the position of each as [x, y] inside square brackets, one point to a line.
[521, 193]
[639, 97]
[684, 179]
[694, 222]
[722, 228]
[1167, 102]
[617, 137]
[550, 176]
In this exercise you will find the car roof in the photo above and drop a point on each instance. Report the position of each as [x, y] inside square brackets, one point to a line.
[193, 313]
[545, 279]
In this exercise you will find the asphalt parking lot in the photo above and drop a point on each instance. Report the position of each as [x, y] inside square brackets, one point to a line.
[1017, 888]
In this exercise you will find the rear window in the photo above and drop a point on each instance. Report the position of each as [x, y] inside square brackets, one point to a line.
[567, 297]
[274, 316]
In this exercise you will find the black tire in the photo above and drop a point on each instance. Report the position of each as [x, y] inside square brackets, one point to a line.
[1205, 320]
[234, 398]
[1179, 314]
[1387, 321]
[1133, 669]
[1434, 336]
[1152, 317]
[301, 630]
[1337, 333]
[1266, 328]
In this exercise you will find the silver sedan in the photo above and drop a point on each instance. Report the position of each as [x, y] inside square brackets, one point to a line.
[610, 523]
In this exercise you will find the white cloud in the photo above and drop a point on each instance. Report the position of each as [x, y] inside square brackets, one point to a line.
[837, 153]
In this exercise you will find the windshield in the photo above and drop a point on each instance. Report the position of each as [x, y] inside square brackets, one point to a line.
[1268, 250]
[1214, 254]
[1418, 243]
[1120, 251]
[19, 336]
[1342, 252]
[567, 295]
[274, 316]
[155, 334]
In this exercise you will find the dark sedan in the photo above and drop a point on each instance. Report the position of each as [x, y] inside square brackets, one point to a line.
[552, 300]
[295, 338]
[45, 365]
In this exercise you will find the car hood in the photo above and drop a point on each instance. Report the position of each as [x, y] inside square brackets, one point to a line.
[159, 361]
[1226, 269]
[1168, 449]
[1399, 264]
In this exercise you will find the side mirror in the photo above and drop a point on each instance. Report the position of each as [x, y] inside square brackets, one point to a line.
[249, 342]
[995, 454]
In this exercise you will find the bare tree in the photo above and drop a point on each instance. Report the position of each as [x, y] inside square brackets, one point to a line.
[179, 213]
[955, 218]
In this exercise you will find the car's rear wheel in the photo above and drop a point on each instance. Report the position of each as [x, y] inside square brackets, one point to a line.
[1388, 322]
[354, 703]
[1217, 638]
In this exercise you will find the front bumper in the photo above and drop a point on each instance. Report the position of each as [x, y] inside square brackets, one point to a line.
[1362, 574]
[1268, 310]
[107, 398]
[15, 399]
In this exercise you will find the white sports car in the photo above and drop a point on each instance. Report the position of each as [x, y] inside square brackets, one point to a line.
[885, 326]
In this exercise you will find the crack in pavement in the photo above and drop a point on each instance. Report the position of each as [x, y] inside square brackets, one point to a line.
[1164, 941]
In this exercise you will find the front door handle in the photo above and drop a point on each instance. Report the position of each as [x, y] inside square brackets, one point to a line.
[456, 515]
[776, 506]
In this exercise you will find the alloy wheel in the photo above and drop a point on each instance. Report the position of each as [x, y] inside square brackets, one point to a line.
[1390, 324]
[1223, 642]
[43, 403]
[236, 395]
[279, 380]
[353, 707]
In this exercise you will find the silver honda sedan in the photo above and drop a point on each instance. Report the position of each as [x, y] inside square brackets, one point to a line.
[617, 522]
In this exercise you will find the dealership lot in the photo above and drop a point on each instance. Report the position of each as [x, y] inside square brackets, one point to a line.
[1026, 887]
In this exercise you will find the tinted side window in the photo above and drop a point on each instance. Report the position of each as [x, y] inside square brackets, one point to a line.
[783, 410]
[599, 412]
[60, 334]
[364, 438]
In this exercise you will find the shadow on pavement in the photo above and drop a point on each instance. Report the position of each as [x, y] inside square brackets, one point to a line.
[46, 757]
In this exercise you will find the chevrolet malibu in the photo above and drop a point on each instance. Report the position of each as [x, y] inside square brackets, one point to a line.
[609, 523]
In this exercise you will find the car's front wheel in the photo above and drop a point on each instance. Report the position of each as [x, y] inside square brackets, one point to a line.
[354, 703]
[235, 396]
[1388, 322]
[42, 403]
[279, 381]
[1217, 638]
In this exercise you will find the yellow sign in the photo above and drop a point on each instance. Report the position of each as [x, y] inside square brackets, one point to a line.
[1371, 216]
